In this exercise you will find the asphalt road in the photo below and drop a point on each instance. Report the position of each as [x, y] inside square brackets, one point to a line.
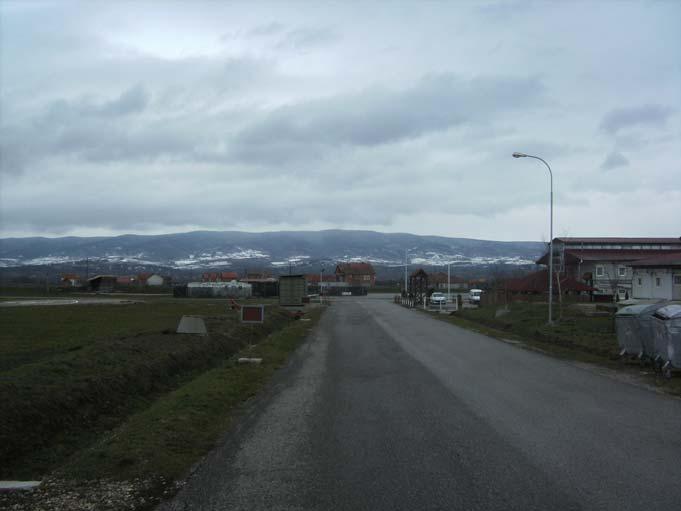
[385, 408]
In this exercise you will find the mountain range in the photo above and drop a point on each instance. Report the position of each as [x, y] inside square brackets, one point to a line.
[234, 249]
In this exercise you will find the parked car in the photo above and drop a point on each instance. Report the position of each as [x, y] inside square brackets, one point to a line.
[438, 299]
[474, 296]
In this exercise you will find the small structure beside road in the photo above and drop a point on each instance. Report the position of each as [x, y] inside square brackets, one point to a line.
[292, 290]
[102, 283]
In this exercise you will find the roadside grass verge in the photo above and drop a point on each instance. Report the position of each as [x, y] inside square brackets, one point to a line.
[74, 372]
[575, 337]
[30, 334]
[180, 427]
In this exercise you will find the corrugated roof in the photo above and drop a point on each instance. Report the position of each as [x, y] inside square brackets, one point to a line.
[538, 282]
[574, 255]
[355, 268]
[621, 240]
[314, 278]
[667, 260]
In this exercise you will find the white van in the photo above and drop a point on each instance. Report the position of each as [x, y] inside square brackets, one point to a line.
[474, 296]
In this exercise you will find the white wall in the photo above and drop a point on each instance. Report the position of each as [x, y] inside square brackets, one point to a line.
[155, 280]
[649, 287]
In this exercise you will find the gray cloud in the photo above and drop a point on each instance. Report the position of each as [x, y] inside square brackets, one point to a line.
[305, 119]
[647, 115]
[613, 160]
[267, 29]
[381, 116]
[305, 38]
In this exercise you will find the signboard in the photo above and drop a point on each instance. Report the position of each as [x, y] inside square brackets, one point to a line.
[252, 313]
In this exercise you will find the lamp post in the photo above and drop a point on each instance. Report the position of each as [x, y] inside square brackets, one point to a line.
[321, 280]
[449, 283]
[406, 263]
[523, 155]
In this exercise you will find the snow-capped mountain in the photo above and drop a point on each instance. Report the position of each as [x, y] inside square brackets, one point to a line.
[207, 249]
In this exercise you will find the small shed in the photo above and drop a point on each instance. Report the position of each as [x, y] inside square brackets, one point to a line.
[292, 289]
[102, 283]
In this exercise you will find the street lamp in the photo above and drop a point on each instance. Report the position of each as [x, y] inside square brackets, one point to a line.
[523, 155]
[321, 280]
[406, 264]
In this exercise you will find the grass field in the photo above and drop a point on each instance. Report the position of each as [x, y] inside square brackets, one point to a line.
[575, 336]
[71, 373]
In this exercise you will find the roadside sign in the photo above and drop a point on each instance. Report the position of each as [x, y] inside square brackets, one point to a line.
[252, 313]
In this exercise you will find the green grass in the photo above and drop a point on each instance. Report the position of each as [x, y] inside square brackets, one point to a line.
[70, 373]
[30, 334]
[169, 436]
[574, 337]
[592, 335]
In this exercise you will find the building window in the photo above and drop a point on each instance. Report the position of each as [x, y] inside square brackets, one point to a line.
[658, 281]
[622, 271]
[640, 282]
[677, 280]
[600, 271]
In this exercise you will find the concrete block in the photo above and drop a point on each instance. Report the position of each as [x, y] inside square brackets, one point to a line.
[18, 485]
[192, 325]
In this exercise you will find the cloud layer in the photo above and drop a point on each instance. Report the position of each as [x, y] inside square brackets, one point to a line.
[244, 117]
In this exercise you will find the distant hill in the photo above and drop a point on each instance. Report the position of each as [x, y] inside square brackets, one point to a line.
[210, 249]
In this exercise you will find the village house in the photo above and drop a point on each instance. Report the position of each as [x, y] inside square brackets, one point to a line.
[657, 278]
[224, 276]
[125, 280]
[102, 283]
[356, 274]
[70, 280]
[438, 280]
[536, 286]
[606, 263]
[150, 279]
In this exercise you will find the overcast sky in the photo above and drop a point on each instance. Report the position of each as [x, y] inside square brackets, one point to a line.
[120, 117]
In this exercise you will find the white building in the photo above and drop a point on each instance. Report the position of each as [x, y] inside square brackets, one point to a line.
[657, 278]
[155, 280]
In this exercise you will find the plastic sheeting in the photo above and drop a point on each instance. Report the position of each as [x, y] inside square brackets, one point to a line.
[233, 289]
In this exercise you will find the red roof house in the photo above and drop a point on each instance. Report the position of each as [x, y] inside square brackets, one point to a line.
[356, 274]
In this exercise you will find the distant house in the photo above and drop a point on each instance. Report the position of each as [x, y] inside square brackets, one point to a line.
[537, 283]
[142, 278]
[102, 283]
[438, 280]
[155, 280]
[264, 287]
[125, 280]
[657, 277]
[150, 279]
[224, 276]
[70, 280]
[606, 263]
[356, 274]
[257, 274]
[313, 279]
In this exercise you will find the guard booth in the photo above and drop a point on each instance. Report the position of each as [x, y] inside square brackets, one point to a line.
[292, 289]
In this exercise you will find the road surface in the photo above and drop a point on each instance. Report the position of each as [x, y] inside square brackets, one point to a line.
[386, 408]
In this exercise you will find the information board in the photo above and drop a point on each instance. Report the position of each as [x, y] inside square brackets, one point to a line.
[252, 313]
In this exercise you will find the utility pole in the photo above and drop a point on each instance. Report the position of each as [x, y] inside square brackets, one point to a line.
[406, 263]
[449, 283]
[523, 155]
[321, 279]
